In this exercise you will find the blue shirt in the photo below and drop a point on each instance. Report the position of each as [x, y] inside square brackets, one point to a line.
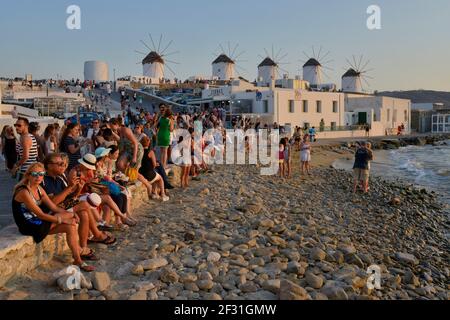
[53, 186]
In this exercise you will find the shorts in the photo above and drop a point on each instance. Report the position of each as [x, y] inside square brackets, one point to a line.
[361, 174]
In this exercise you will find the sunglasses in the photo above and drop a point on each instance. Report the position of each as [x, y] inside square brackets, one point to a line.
[18, 126]
[38, 174]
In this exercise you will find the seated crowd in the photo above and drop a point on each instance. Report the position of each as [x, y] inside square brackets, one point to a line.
[78, 184]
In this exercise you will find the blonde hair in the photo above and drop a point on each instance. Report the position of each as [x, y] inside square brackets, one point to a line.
[26, 177]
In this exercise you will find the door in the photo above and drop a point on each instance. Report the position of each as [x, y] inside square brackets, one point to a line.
[362, 118]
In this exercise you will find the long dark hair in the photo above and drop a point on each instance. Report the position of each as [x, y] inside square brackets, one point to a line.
[66, 132]
[49, 131]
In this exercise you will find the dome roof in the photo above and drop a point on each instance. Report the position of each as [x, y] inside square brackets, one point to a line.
[312, 63]
[223, 58]
[152, 57]
[267, 62]
[351, 73]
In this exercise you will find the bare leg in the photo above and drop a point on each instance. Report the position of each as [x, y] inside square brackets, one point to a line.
[72, 240]
[164, 157]
[83, 228]
[110, 203]
[106, 214]
[146, 183]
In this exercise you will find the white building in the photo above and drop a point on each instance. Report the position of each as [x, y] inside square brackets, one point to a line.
[383, 114]
[153, 66]
[96, 71]
[223, 68]
[351, 81]
[440, 123]
[285, 101]
[312, 72]
[289, 102]
[267, 72]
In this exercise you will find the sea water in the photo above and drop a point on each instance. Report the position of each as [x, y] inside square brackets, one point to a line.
[426, 167]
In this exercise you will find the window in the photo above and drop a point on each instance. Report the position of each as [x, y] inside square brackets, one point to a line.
[333, 126]
[266, 106]
[388, 115]
[319, 106]
[374, 116]
[406, 115]
[305, 106]
[395, 116]
[291, 106]
[335, 107]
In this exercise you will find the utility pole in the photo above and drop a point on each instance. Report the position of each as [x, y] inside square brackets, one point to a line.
[114, 79]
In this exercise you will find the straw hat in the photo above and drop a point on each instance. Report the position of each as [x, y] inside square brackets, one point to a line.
[89, 161]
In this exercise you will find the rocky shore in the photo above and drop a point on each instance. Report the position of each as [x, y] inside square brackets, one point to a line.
[239, 235]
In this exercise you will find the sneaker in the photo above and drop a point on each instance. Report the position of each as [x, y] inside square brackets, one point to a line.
[165, 199]
[155, 197]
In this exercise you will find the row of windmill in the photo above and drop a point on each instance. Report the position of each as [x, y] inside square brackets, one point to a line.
[227, 65]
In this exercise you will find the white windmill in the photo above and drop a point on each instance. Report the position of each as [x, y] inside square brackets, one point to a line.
[352, 80]
[313, 68]
[269, 68]
[155, 62]
[224, 66]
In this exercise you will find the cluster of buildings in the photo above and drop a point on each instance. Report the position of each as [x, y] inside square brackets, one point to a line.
[304, 101]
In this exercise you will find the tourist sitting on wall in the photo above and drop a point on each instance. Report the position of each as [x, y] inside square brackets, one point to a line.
[57, 187]
[28, 205]
[118, 193]
[84, 173]
[148, 171]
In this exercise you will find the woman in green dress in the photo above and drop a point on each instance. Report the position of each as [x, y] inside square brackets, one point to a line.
[165, 127]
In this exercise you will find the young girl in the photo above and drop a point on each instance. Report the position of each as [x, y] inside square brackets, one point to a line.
[305, 154]
[287, 157]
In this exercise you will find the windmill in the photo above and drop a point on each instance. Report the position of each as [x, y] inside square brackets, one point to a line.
[314, 65]
[155, 62]
[352, 80]
[226, 62]
[270, 67]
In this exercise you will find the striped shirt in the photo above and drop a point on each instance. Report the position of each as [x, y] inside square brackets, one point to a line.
[32, 154]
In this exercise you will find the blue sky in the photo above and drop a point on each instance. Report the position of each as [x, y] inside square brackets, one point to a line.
[411, 51]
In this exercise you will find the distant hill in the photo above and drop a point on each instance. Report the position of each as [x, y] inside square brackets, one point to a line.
[420, 96]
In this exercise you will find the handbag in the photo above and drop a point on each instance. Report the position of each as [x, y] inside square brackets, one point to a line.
[113, 188]
[132, 173]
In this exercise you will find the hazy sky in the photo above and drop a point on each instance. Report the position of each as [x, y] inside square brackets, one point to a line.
[411, 51]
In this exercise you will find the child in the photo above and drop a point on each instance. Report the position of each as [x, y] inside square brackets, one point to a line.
[287, 157]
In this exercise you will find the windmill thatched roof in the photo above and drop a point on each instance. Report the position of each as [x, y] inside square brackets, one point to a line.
[351, 73]
[268, 62]
[153, 57]
[312, 63]
[223, 58]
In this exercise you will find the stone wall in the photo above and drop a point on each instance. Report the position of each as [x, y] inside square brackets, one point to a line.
[20, 254]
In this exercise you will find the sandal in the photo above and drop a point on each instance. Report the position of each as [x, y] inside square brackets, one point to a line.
[90, 256]
[121, 227]
[109, 240]
[129, 222]
[86, 268]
